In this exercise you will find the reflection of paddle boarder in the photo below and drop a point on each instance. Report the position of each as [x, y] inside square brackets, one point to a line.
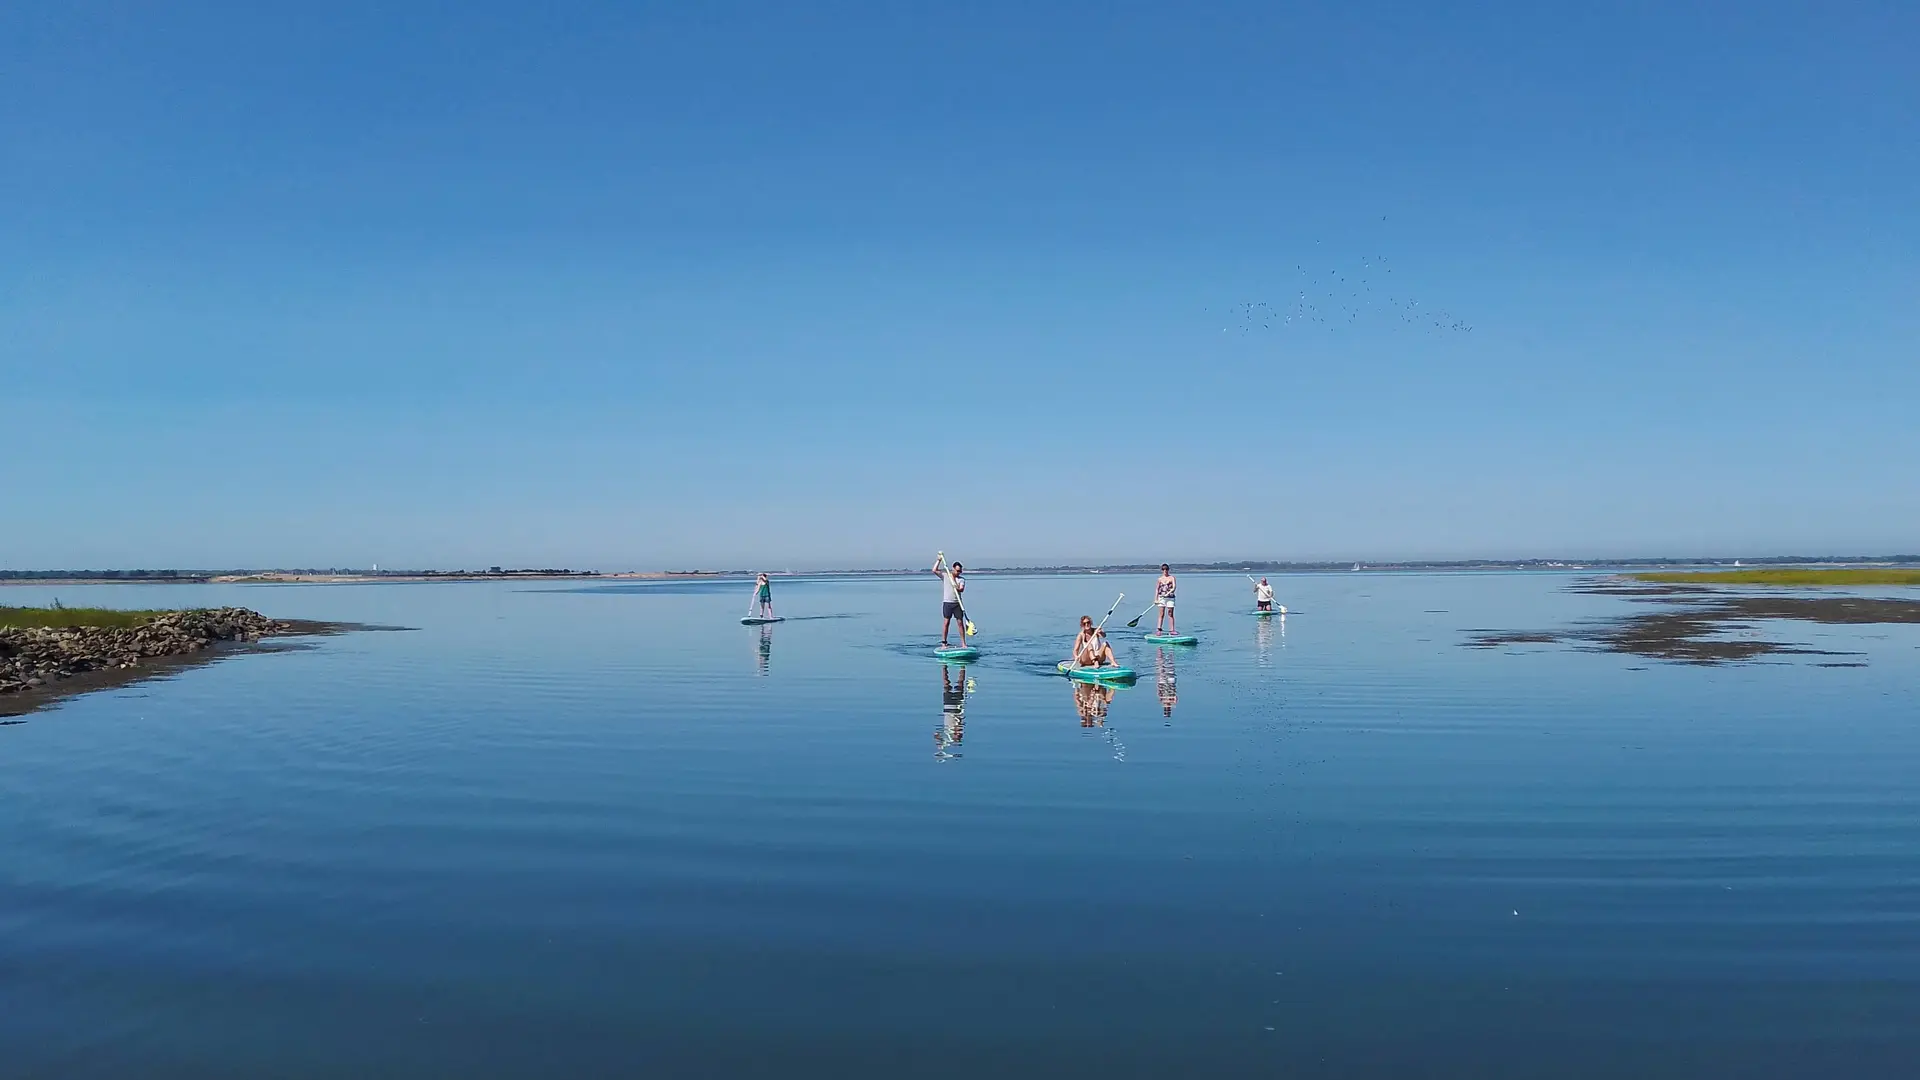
[1263, 631]
[1092, 699]
[953, 713]
[766, 647]
[1163, 681]
[953, 588]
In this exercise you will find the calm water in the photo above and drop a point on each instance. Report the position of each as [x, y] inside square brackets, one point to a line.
[610, 831]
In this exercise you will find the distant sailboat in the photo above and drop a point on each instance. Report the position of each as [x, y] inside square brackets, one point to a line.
[1356, 566]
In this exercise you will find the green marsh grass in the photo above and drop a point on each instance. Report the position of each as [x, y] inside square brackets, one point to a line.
[57, 617]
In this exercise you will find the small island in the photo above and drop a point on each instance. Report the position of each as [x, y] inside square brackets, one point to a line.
[56, 651]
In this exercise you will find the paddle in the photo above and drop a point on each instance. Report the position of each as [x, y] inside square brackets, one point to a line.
[1135, 621]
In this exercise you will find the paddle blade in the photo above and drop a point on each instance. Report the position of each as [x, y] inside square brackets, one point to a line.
[972, 630]
[1135, 621]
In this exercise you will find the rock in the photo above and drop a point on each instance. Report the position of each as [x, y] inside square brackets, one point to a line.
[32, 657]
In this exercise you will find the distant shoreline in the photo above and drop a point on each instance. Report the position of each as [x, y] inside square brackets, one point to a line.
[302, 577]
[276, 577]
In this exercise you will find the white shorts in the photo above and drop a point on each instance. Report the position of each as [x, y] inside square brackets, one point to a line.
[1164, 601]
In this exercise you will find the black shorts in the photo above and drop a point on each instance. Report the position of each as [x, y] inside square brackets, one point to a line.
[951, 610]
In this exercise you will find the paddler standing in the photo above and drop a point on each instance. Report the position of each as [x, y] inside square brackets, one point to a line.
[1262, 596]
[763, 596]
[1163, 599]
[953, 587]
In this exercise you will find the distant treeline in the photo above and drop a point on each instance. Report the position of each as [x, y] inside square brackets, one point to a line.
[1471, 564]
[103, 575]
[1250, 565]
[207, 575]
[492, 571]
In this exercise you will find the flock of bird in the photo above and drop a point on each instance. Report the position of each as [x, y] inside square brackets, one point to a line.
[1342, 297]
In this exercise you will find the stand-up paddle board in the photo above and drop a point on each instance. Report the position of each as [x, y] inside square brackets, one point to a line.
[755, 620]
[957, 652]
[1267, 614]
[1095, 674]
[1171, 639]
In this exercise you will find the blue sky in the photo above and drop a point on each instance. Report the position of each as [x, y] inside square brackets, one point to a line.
[646, 286]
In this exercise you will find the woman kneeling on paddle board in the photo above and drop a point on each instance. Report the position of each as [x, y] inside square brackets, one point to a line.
[1090, 648]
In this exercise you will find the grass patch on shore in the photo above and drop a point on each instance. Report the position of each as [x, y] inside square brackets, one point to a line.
[1866, 575]
[61, 618]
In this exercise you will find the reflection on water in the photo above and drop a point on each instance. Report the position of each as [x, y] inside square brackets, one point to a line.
[1265, 631]
[1164, 680]
[1382, 855]
[1092, 701]
[954, 688]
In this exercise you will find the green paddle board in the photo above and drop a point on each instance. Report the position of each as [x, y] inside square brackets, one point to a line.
[1171, 639]
[957, 652]
[1095, 674]
[1267, 614]
[755, 620]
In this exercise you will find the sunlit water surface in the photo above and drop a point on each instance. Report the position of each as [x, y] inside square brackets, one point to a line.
[608, 830]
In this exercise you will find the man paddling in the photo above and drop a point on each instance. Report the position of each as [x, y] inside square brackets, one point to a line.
[1263, 596]
[953, 585]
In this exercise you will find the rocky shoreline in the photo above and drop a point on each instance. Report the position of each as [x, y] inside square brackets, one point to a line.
[41, 658]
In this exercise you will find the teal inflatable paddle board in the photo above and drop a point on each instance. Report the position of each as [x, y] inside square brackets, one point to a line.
[1095, 674]
[755, 620]
[1267, 614]
[1171, 639]
[958, 652]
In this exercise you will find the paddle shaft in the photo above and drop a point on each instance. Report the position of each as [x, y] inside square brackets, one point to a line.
[1103, 623]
